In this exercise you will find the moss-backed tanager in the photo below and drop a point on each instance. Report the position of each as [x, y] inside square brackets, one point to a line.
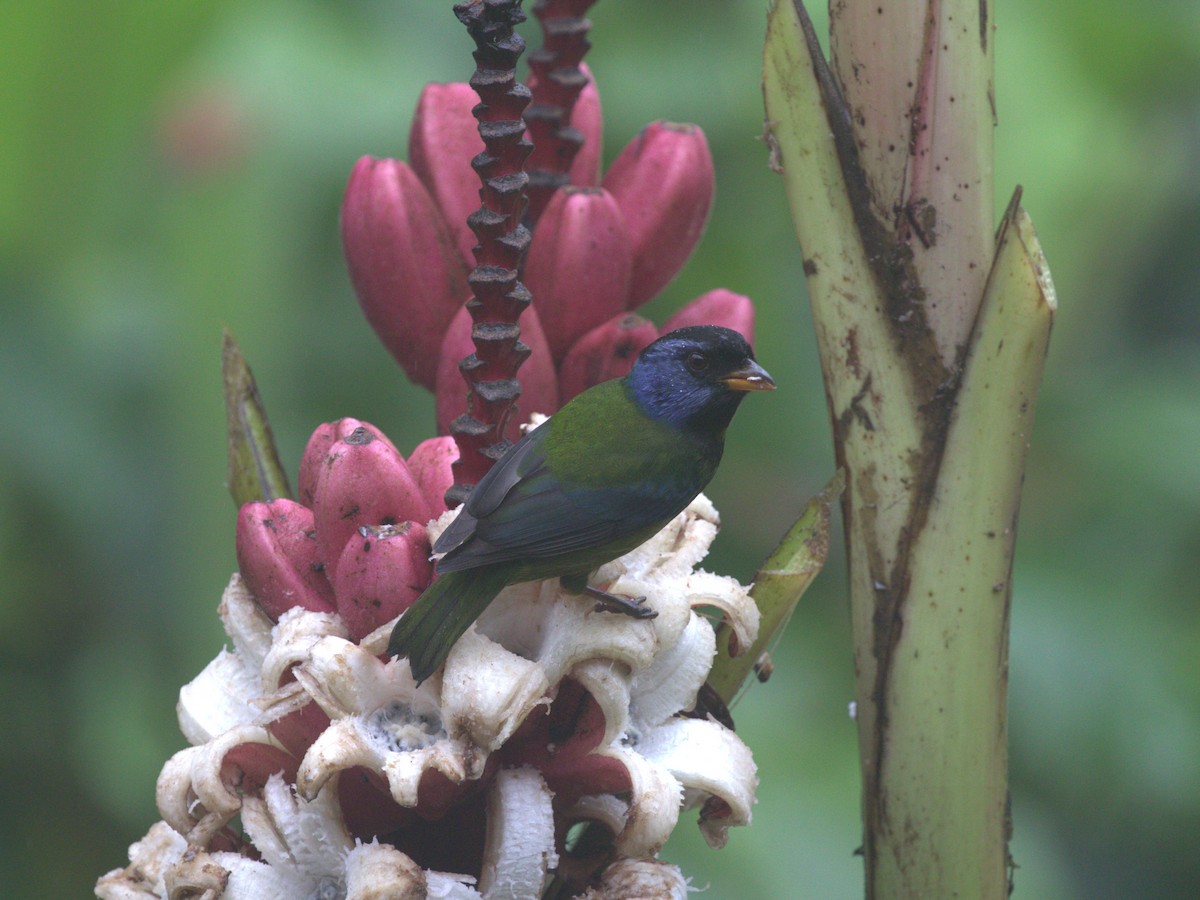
[589, 484]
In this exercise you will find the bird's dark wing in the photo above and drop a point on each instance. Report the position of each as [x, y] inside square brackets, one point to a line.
[490, 492]
[540, 517]
[583, 484]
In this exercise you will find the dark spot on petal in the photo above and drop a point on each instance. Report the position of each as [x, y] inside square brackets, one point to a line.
[359, 437]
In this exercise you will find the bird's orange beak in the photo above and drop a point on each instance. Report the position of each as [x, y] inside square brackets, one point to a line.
[750, 377]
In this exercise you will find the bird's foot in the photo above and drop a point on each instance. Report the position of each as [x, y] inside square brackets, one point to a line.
[629, 606]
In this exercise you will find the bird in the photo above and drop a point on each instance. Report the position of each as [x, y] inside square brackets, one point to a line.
[598, 478]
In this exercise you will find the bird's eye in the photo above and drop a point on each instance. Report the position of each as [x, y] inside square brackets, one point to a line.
[697, 363]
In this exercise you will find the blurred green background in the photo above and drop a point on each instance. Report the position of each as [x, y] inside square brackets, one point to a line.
[167, 168]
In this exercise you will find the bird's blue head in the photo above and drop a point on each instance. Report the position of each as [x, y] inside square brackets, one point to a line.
[694, 378]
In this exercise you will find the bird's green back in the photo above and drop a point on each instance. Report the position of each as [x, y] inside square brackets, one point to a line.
[604, 439]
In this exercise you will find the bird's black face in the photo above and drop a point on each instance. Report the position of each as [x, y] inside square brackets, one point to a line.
[696, 377]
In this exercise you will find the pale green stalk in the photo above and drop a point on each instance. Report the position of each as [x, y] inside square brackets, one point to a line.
[932, 332]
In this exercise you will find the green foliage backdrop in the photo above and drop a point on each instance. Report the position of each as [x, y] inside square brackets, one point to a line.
[166, 168]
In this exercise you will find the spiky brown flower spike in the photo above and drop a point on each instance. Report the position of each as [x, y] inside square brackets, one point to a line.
[556, 81]
[499, 297]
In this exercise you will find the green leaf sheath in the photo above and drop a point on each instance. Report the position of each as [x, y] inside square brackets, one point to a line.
[778, 586]
[255, 472]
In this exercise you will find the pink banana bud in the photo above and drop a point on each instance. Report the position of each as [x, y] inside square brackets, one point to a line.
[443, 139]
[717, 307]
[367, 804]
[297, 730]
[539, 384]
[579, 265]
[587, 116]
[408, 276]
[607, 351]
[430, 464]
[663, 182]
[561, 745]
[363, 481]
[383, 569]
[279, 558]
[249, 765]
[316, 453]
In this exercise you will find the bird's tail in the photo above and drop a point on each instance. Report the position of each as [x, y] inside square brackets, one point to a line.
[429, 628]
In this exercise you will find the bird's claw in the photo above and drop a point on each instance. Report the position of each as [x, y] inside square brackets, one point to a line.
[628, 606]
